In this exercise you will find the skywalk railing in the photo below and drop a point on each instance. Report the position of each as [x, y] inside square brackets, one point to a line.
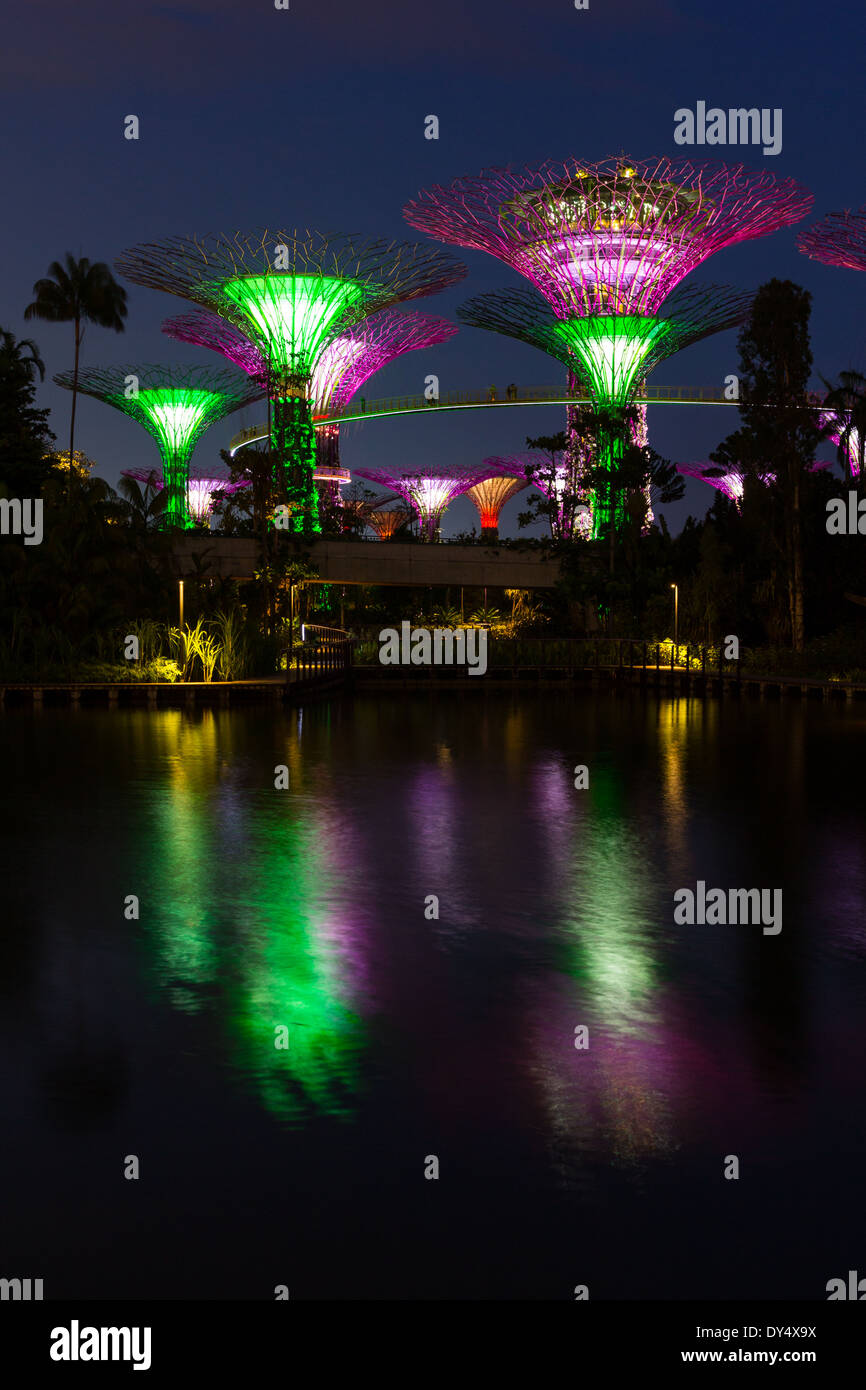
[494, 396]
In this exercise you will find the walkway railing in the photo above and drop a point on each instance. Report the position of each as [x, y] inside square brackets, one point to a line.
[610, 654]
[324, 657]
[492, 397]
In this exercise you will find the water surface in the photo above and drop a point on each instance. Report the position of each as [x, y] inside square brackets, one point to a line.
[411, 1035]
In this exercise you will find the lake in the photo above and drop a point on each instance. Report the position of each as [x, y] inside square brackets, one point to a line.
[432, 950]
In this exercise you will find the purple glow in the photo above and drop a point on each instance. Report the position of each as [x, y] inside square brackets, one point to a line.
[429, 492]
[614, 237]
[203, 490]
[343, 366]
[845, 436]
[732, 483]
[568, 523]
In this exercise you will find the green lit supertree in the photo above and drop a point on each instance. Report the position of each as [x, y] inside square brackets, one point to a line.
[175, 405]
[291, 294]
[609, 355]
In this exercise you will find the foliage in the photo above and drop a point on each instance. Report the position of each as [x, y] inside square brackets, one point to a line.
[25, 438]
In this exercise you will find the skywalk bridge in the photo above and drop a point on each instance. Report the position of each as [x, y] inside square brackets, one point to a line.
[494, 398]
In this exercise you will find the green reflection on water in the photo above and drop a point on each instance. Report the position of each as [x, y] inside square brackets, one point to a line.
[609, 917]
[617, 1093]
[244, 923]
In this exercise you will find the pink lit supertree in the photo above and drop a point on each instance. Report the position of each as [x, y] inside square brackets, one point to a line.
[612, 237]
[203, 490]
[731, 481]
[428, 491]
[342, 369]
[839, 239]
[842, 431]
[606, 245]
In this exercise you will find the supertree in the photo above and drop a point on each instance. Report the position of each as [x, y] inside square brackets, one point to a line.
[203, 490]
[292, 295]
[839, 239]
[387, 521]
[732, 481]
[569, 515]
[842, 431]
[614, 237]
[611, 354]
[608, 239]
[342, 369]
[489, 497]
[175, 405]
[428, 491]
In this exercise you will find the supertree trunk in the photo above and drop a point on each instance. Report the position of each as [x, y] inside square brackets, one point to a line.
[175, 467]
[294, 446]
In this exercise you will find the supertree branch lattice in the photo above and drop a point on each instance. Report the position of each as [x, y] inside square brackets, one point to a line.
[614, 237]
[557, 480]
[732, 481]
[428, 491]
[489, 497]
[291, 295]
[842, 431]
[388, 521]
[175, 405]
[342, 368]
[609, 353]
[203, 490]
[839, 239]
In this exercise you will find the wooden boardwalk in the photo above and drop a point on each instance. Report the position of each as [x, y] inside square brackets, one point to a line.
[323, 671]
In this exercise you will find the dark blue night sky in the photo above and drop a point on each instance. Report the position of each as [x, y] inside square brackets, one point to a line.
[314, 117]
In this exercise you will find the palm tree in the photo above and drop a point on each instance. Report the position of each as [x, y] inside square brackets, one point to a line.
[78, 293]
[12, 354]
[142, 506]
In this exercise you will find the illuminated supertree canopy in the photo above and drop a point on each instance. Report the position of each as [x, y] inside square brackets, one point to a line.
[609, 353]
[428, 490]
[175, 405]
[555, 479]
[846, 436]
[608, 241]
[839, 239]
[292, 295]
[732, 481]
[387, 521]
[489, 497]
[614, 237]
